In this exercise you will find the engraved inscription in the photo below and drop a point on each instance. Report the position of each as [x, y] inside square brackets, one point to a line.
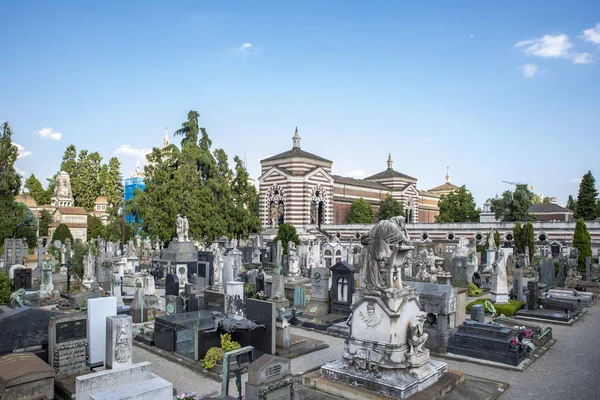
[70, 359]
[273, 371]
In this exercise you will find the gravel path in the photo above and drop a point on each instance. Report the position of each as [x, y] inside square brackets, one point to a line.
[569, 370]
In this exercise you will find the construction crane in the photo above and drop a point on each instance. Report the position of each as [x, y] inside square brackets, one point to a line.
[517, 183]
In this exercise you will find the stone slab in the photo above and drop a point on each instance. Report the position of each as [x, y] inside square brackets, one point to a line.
[25, 376]
[68, 346]
[24, 327]
[155, 389]
[98, 310]
[97, 382]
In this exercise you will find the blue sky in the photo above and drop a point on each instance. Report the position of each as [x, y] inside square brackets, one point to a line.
[496, 90]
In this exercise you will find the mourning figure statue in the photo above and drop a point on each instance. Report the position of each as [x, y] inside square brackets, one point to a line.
[385, 248]
[416, 336]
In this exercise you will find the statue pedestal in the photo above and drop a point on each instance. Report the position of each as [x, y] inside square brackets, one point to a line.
[385, 352]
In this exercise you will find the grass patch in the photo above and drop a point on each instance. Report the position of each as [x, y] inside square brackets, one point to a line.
[507, 309]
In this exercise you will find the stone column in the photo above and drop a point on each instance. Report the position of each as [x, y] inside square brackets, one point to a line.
[118, 341]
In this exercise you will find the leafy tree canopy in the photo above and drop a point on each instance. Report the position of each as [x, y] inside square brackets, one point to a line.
[571, 203]
[514, 206]
[95, 227]
[583, 242]
[61, 233]
[458, 206]
[586, 199]
[5, 289]
[390, 207]
[286, 233]
[361, 212]
[36, 190]
[44, 220]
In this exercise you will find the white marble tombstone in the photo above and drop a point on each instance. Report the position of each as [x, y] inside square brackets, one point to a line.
[182, 273]
[228, 269]
[98, 310]
[118, 341]
[499, 280]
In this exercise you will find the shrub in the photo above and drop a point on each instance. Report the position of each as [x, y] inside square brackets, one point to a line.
[250, 288]
[5, 291]
[227, 344]
[213, 355]
[473, 290]
[507, 309]
[61, 233]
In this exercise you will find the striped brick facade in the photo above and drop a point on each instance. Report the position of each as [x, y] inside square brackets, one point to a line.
[295, 185]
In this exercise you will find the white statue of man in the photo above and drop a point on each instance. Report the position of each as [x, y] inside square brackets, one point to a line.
[218, 268]
[185, 229]
[179, 228]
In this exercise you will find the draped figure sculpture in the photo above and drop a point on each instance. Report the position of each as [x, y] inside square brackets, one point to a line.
[386, 247]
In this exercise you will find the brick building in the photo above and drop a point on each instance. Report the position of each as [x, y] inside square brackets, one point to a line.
[298, 187]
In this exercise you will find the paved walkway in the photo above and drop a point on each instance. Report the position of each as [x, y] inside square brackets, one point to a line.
[569, 370]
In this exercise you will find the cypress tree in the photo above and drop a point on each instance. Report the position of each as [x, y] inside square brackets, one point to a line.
[586, 199]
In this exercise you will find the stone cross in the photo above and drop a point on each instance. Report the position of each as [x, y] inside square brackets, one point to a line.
[40, 254]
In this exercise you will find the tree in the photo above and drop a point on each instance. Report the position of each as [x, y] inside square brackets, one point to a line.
[26, 225]
[571, 204]
[286, 233]
[36, 190]
[540, 199]
[244, 198]
[458, 206]
[514, 206]
[361, 212]
[390, 207]
[10, 183]
[583, 242]
[44, 220]
[5, 289]
[113, 187]
[586, 199]
[524, 237]
[95, 227]
[62, 232]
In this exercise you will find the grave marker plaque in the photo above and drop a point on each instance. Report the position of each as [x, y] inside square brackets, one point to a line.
[71, 354]
[269, 378]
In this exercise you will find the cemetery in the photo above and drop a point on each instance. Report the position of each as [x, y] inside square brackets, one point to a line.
[239, 317]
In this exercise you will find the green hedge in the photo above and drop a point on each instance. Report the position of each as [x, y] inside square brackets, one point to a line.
[507, 309]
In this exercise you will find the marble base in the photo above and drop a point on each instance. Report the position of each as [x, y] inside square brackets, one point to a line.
[499, 298]
[398, 383]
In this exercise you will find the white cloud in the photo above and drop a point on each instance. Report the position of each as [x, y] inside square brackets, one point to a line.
[245, 49]
[358, 174]
[48, 133]
[592, 35]
[127, 150]
[553, 46]
[576, 180]
[529, 70]
[582, 58]
[22, 152]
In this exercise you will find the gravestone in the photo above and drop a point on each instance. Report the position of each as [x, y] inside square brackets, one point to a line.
[68, 346]
[299, 297]
[262, 313]
[499, 280]
[478, 313]
[460, 273]
[173, 305]
[588, 268]
[118, 341]
[532, 294]
[560, 278]
[215, 301]
[182, 274]
[25, 376]
[25, 328]
[342, 287]
[139, 308]
[278, 290]
[171, 285]
[547, 272]
[282, 334]
[98, 310]
[319, 299]
[269, 377]
[22, 278]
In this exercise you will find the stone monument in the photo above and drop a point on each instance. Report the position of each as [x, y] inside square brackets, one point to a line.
[47, 286]
[118, 341]
[384, 353]
[499, 279]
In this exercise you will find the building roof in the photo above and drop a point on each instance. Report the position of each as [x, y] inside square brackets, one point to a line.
[428, 193]
[68, 224]
[358, 182]
[547, 208]
[389, 173]
[446, 187]
[101, 199]
[295, 152]
[27, 200]
[72, 210]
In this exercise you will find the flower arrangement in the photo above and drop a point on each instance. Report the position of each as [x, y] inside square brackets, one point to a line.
[261, 295]
[527, 333]
[515, 342]
[187, 396]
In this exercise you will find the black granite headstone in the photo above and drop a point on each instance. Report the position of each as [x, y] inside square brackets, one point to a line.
[22, 278]
[478, 313]
[532, 295]
[24, 327]
[214, 301]
[172, 285]
[342, 287]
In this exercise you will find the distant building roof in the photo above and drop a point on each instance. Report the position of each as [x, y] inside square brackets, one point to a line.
[72, 210]
[547, 208]
[359, 182]
[446, 187]
[389, 173]
[296, 152]
[101, 199]
[428, 193]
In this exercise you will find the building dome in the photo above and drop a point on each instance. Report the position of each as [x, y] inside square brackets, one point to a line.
[27, 200]
[101, 199]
